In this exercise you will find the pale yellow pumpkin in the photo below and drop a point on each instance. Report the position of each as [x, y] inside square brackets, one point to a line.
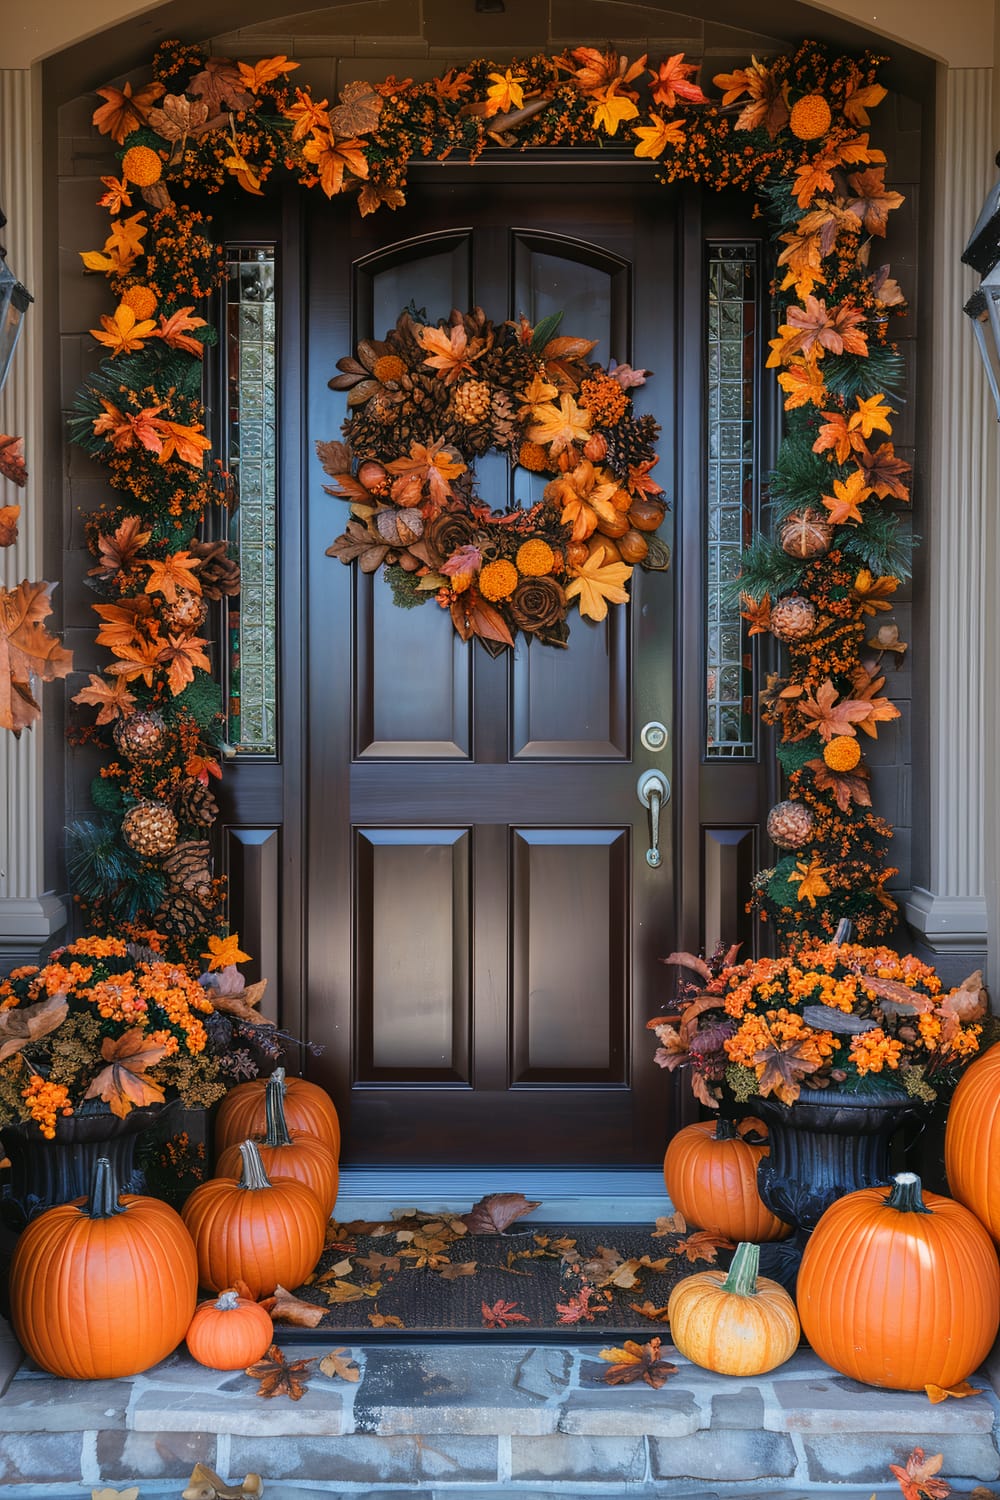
[737, 1323]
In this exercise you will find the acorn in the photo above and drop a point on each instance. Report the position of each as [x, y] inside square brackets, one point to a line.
[646, 515]
[576, 554]
[633, 546]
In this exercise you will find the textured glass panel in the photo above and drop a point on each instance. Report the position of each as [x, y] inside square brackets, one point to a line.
[733, 361]
[251, 443]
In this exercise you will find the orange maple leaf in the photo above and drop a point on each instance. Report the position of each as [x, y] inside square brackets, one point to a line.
[848, 495]
[123, 623]
[858, 101]
[118, 195]
[809, 879]
[175, 572]
[333, 157]
[612, 108]
[872, 592]
[123, 332]
[125, 111]
[759, 614]
[813, 178]
[128, 234]
[768, 105]
[189, 443]
[883, 471]
[872, 202]
[125, 429]
[655, 138]
[176, 329]
[141, 659]
[836, 438]
[505, 93]
[26, 650]
[12, 465]
[672, 81]
[8, 524]
[873, 412]
[432, 466]
[830, 717]
[560, 427]
[598, 582]
[308, 116]
[917, 1479]
[802, 381]
[180, 656]
[253, 76]
[121, 1084]
[225, 951]
[112, 699]
[449, 351]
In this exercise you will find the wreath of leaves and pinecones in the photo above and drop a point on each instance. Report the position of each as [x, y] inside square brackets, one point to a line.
[428, 400]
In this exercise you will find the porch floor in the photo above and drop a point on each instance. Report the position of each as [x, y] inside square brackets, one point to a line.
[460, 1420]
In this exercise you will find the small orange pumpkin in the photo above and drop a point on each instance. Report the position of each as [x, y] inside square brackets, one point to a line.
[288, 1153]
[736, 1323]
[103, 1287]
[900, 1289]
[254, 1230]
[710, 1172]
[243, 1112]
[229, 1332]
[972, 1141]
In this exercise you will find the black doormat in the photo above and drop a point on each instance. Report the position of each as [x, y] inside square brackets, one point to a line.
[422, 1275]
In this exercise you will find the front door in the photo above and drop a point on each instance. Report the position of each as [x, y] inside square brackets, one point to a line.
[482, 928]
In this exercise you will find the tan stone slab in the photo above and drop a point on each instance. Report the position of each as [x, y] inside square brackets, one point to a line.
[836, 1404]
[320, 1413]
[47, 1404]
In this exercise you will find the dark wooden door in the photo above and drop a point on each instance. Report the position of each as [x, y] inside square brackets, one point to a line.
[482, 928]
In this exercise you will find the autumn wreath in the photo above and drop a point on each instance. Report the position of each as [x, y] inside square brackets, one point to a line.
[424, 403]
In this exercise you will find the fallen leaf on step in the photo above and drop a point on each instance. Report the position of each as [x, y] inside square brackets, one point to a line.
[938, 1393]
[284, 1308]
[338, 1368]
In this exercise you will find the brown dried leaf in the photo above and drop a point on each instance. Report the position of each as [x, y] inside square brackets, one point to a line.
[28, 1023]
[279, 1378]
[675, 1224]
[358, 110]
[454, 1269]
[637, 1362]
[121, 1084]
[8, 524]
[335, 458]
[12, 460]
[897, 999]
[285, 1308]
[936, 1393]
[379, 1263]
[338, 1368]
[502, 1313]
[703, 1245]
[346, 1291]
[495, 1213]
[689, 961]
[179, 117]
[26, 650]
[647, 1310]
[220, 86]
[385, 1320]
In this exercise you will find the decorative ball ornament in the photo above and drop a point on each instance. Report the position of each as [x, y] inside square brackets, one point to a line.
[806, 533]
[150, 828]
[810, 117]
[793, 618]
[186, 613]
[842, 753]
[142, 736]
[789, 825]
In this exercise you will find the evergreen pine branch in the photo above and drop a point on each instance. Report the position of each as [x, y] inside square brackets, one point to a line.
[105, 872]
[800, 476]
[202, 699]
[765, 568]
[851, 375]
[882, 545]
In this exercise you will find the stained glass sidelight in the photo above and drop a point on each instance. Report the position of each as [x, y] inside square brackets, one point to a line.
[251, 447]
[732, 490]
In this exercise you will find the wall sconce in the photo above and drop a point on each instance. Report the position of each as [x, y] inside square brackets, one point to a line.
[15, 300]
[982, 253]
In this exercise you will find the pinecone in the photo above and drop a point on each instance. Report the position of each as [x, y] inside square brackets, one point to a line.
[150, 828]
[806, 533]
[186, 614]
[506, 429]
[180, 915]
[632, 441]
[218, 574]
[789, 825]
[188, 868]
[195, 804]
[142, 736]
[793, 618]
[471, 402]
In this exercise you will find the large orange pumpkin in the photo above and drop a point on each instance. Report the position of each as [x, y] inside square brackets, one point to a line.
[288, 1153]
[254, 1230]
[229, 1333]
[710, 1172]
[103, 1287]
[900, 1288]
[972, 1141]
[242, 1114]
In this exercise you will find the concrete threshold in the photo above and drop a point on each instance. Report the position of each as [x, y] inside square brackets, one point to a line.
[461, 1420]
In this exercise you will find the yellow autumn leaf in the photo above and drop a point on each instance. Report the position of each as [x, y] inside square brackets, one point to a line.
[936, 1393]
[223, 952]
[871, 413]
[123, 332]
[598, 583]
[561, 426]
[809, 879]
[504, 93]
[612, 108]
[847, 496]
[653, 139]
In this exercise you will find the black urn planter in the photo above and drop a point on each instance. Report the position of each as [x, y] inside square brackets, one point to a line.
[44, 1173]
[824, 1145]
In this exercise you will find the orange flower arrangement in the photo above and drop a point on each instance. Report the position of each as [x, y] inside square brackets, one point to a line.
[834, 1015]
[103, 1026]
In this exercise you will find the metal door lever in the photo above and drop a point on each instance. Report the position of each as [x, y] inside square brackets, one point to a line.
[654, 790]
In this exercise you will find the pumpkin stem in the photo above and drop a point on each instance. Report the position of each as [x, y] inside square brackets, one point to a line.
[228, 1302]
[103, 1201]
[725, 1129]
[742, 1278]
[906, 1195]
[274, 1107]
[252, 1176]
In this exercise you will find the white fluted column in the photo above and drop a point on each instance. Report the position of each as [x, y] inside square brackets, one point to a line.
[950, 910]
[29, 915]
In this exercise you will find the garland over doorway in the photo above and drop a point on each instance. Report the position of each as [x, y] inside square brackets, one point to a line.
[794, 131]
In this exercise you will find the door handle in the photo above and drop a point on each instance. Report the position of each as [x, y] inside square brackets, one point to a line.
[654, 790]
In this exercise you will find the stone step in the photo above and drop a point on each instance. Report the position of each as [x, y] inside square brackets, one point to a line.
[466, 1419]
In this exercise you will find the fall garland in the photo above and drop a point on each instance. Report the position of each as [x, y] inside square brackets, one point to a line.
[791, 130]
[454, 392]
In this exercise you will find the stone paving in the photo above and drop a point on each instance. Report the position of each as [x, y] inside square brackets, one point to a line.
[467, 1419]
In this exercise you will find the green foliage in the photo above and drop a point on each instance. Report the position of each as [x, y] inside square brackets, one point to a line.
[850, 375]
[780, 890]
[109, 876]
[106, 795]
[202, 699]
[881, 545]
[794, 754]
[800, 476]
[765, 569]
[405, 593]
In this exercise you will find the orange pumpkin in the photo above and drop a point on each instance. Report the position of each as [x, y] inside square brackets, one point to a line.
[254, 1230]
[972, 1141]
[229, 1333]
[288, 1153]
[710, 1172]
[900, 1289]
[242, 1114]
[105, 1286]
[735, 1322]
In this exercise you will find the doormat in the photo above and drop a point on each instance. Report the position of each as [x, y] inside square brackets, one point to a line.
[487, 1272]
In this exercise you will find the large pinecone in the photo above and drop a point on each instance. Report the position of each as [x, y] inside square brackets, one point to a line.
[180, 915]
[188, 868]
[630, 442]
[150, 828]
[195, 804]
[218, 573]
